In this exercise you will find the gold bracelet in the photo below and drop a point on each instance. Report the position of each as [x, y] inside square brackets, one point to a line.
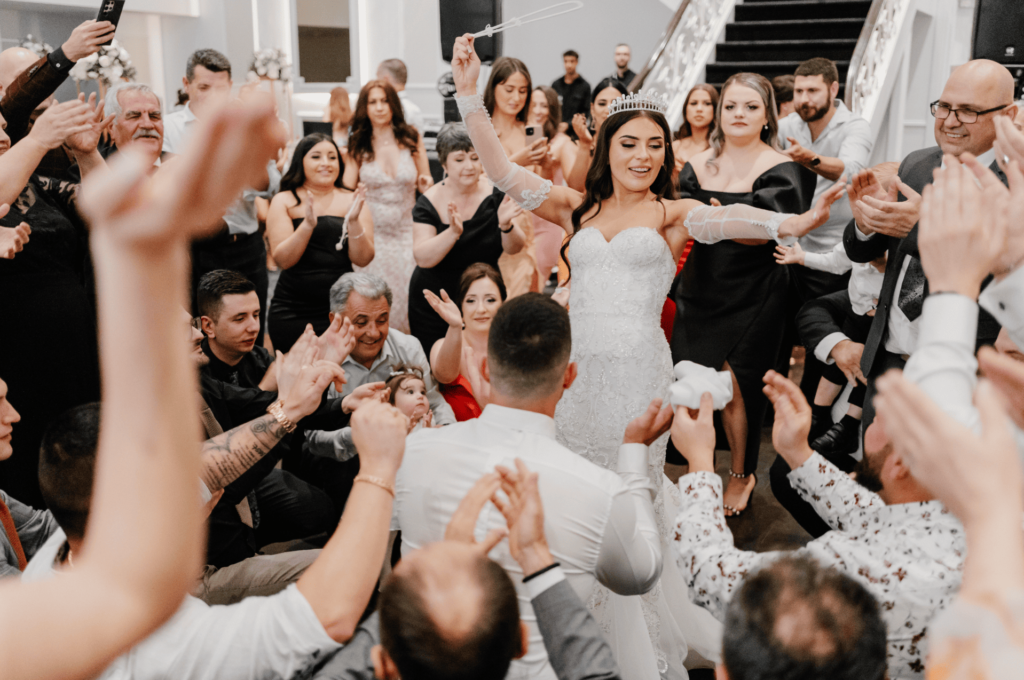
[277, 410]
[376, 481]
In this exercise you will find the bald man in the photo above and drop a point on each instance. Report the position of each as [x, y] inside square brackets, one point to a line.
[975, 94]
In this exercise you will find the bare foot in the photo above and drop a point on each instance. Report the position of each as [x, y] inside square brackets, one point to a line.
[737, 494]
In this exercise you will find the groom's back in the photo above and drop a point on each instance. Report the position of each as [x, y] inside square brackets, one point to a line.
[441, 465]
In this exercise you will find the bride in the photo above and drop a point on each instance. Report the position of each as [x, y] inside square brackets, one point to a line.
[626, 234]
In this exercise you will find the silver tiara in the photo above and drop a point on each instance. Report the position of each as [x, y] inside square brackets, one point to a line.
[639, 101]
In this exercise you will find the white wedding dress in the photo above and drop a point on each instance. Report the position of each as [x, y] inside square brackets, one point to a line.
[624, 361]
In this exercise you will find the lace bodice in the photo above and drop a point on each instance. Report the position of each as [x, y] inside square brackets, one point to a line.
[390, 199]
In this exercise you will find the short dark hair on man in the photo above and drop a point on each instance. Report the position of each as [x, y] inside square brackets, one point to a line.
[819, 66]
[396, 69]
[67, 461]
[411, 637]
[783, 86]
[797, 620]
[211, 60]
[571, 53]
[213, 286]
[528, 346]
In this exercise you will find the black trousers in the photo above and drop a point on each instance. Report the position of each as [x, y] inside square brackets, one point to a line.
[806, 285]
[787, 496]
[242, 253]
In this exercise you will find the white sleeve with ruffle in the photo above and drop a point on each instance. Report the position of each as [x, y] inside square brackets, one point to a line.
[708, 224]
[525, 188]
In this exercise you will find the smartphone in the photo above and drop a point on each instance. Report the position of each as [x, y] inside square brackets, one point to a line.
[110, 11]
[533, 133]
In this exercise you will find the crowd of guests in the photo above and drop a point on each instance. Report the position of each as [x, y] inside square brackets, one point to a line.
[327, 426]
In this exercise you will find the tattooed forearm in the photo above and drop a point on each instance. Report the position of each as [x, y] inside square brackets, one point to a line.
[228, 455]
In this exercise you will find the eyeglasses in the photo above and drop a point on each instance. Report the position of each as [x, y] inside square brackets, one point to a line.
[942, 111]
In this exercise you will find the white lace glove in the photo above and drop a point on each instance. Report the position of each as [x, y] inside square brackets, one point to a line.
[709, 224]
[693, 380]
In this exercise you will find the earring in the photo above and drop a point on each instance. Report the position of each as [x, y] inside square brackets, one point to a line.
[766, 126]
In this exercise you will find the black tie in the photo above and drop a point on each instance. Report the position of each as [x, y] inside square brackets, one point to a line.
[911, 299]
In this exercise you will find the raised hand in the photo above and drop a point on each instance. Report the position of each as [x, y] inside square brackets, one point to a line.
[367, 393]
[524, 514]
[338, 340]
[789, 254]
[792, 419]
[424, 182]
[1002, 205]
[798, 153]
[508, 210]
[465, 65]
[462, 526]
[61, 121]
[880, 211]
[694, 437]
[579, 124]
[86, 141]
[445, 308]
[378, 432]
[358, 201]
[288, 366]
[963, 228]
[649, 425]
[186, 197]
[455, 219]
[801, 225]
[309, 216]
[1009, 144]
[531, 155]
[87, 38]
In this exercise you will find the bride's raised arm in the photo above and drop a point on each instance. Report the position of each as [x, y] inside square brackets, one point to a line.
[689, 219]
[533, 193]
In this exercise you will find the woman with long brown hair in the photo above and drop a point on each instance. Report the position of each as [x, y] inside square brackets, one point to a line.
[698, 123]
[388, 156]
[731, 297]
[626, 234]
[339, 114]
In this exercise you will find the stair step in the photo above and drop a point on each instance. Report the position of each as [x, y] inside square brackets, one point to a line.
[803, 9]
[784, 50]
[821, 29]
[720, 70]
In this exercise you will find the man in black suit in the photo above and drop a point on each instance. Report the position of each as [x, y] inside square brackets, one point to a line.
[886, 222]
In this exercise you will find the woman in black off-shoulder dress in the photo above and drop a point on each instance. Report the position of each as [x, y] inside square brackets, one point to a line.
[731, 296]
[304, 226]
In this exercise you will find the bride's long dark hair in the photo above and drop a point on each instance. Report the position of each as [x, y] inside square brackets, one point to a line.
[599, 185]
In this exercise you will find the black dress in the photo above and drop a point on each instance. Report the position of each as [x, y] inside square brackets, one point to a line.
[480, 242]
[48, 352]
[731, 298]
[303, 292]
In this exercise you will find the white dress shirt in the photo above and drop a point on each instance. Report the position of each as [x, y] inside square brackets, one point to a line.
[864, 287]
[412, 112]
[259, 637]
[600, 525]
[909, 556]
[846, 137]
[1005, 301]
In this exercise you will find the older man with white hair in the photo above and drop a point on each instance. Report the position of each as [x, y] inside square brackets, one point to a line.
[138, 118]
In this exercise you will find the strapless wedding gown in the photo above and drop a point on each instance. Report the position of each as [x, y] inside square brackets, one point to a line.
[623, 359]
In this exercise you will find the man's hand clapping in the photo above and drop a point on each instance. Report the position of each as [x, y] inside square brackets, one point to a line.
[378, 432]
[337, 341]
[524, 514]
[462, 526]
[85, 141]
[877, 210]
[61, 121]
[302, 377]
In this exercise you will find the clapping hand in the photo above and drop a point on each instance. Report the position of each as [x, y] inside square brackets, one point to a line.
[508, 210]
[649, 425]
[465, 65]
[462, 526]
[454, 219]
[479, 384]
[366, 393]
[61, 121]
[302, 377]
[1002, 206]
[801, 225]
[338, 340]
[579, 124]
[879, 211]
[792, 419]
[12, 239]
[358, 201]
[379, 432]
[445, 308]
[793, 254]
[310, 217]
[694, 435]
[85, 141]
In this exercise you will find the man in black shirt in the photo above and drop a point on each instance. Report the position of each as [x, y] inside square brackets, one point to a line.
[622, 72]
[230, 317]
[572, 89]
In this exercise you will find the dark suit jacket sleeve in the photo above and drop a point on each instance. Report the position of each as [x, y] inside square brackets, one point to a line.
[863, 251]
[30, 89]
[576, 648]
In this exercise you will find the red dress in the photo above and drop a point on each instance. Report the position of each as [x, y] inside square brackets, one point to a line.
[668, 312]
[459, 395]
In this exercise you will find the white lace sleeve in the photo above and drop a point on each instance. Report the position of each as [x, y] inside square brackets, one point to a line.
[709, 224]
[525, 188]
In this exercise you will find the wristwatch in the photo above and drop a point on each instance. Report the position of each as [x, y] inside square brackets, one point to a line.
[816, 161]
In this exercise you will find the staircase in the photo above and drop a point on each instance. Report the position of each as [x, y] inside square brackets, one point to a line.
[772, 37]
